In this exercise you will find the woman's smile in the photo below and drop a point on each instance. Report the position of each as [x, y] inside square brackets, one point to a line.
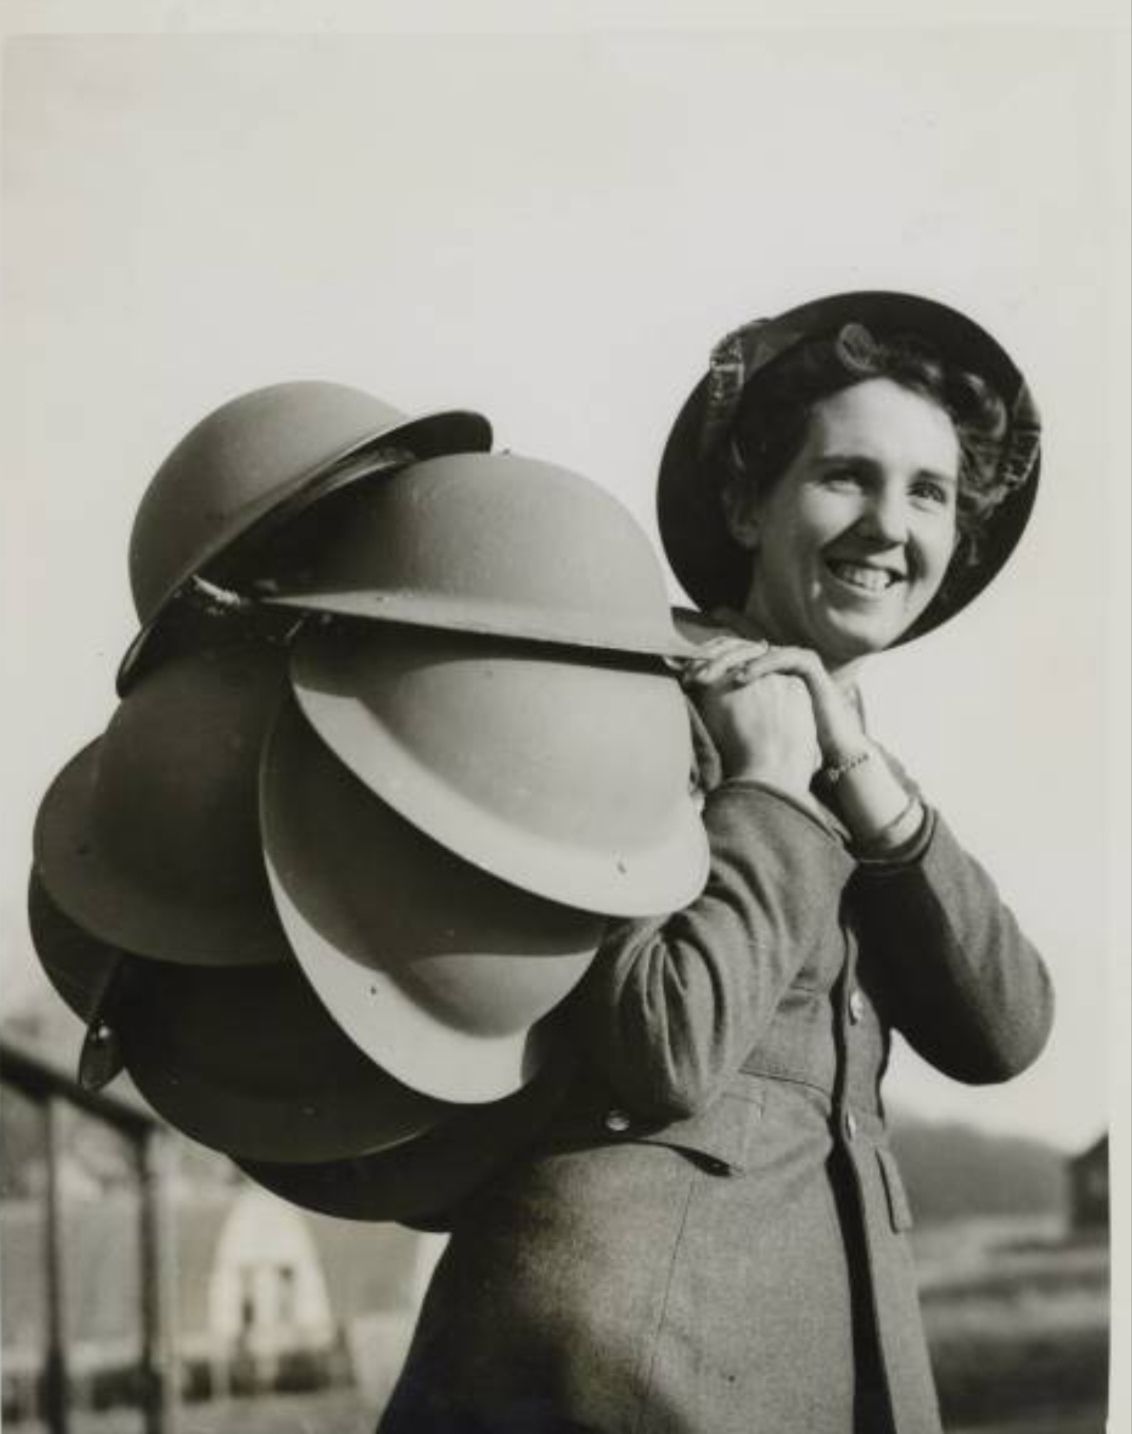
[865, 578]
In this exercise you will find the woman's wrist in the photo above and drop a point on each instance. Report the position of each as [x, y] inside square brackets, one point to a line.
[773, 770]
[897, 833]
[876, 807]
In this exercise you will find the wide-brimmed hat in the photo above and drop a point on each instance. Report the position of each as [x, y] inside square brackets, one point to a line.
[149, 838]
[490, 543]
[248, 1062]
[423, 1181]
[552, 771]
[435, 969]
[259, 460]
[712, 567]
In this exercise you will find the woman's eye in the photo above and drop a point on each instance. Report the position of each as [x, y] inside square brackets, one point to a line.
[929, 491]
[843, 477]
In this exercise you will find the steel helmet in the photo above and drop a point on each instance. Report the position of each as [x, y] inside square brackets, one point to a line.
[149, 838]
[489, 543]
[713, 568]
[561, 775]
[247, 1061]
[89, 976]
[261, 458]
[433, 968]
[423, 1181]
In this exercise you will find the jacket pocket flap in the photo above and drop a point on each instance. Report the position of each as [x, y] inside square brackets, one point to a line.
[899, 1207]
[719, 1137]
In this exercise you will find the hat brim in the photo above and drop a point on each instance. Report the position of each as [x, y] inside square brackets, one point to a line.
[78, 965]
[493, 544]
[433, 968]
[423, 1182]
[247, 1062]
[713, 568]
[419, 609]
[396, 713]
[88, 975]
[426, 436]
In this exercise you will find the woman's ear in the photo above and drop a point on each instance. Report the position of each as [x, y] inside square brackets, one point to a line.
[740, 510]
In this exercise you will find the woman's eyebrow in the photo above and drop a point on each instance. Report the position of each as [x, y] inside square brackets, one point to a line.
[864, 460]
[838, 457]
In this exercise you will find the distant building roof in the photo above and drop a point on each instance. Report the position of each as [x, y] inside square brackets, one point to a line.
[367, 1268]
[101, 1273]
[1097, 1151]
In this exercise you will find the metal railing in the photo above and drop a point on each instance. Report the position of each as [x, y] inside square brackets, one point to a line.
[50, 1087]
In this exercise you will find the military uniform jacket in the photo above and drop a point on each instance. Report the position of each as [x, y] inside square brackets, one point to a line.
[710, 1237]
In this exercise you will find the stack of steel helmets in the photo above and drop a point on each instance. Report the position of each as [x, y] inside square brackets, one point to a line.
[396, 737]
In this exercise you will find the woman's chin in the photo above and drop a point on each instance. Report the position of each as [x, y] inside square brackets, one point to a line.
[841, 644]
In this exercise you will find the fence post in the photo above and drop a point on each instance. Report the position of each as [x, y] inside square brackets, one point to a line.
[160, 1363]
[50, 1087]
[55, 1377]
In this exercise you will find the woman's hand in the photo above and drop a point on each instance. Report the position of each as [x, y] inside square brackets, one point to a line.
[764, 730]
[840, 734]
[873, 803]
[776, 716]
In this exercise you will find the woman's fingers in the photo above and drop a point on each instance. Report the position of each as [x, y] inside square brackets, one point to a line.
[729, 663]
[791, 661]
[763, 730]
[838, 722]
[719, 657]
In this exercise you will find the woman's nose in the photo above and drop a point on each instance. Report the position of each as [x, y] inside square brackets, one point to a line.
[886, 516]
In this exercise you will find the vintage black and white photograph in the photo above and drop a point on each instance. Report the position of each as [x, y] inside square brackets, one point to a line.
[565, 586]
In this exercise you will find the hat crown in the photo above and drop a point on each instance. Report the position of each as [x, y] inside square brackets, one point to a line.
[593, 811]
[176, 787]
[251, 450]
[149, 838]
[432, 966]
[491, 543]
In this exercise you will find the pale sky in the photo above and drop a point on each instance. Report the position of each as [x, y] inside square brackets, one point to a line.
[553, 228]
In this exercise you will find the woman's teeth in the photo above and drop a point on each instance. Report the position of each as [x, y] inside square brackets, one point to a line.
[871, 580]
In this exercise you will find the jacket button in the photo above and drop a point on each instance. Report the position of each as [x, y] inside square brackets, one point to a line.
[856, 1004]
[617, 1121]
[850, 1124]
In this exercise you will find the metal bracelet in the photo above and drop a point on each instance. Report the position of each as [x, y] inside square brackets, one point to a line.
[836, 770]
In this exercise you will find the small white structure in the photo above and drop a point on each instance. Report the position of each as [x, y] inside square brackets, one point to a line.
[252, 1311]
[264, 1295]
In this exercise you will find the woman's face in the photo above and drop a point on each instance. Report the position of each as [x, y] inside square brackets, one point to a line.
[852, 541]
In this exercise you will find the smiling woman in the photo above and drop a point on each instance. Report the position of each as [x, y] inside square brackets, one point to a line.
[909, 441]
[853, 539]
[709, 1235]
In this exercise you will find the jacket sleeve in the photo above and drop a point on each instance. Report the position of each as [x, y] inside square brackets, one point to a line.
[960, 980]
[671, 1007]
